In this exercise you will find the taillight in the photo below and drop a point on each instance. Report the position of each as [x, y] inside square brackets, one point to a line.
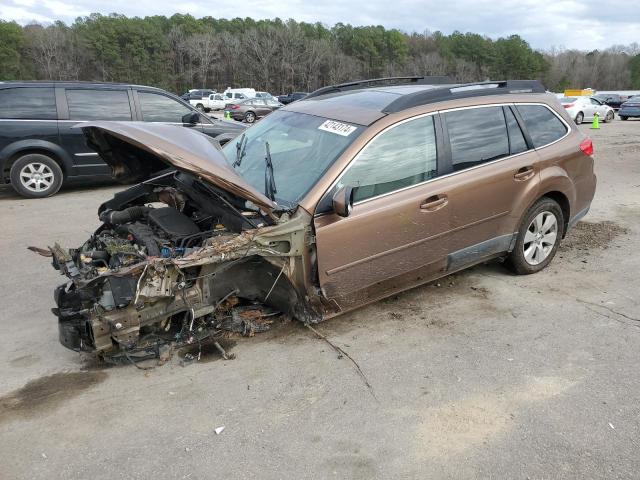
[586, 146]
[235, 107]
[567, 105]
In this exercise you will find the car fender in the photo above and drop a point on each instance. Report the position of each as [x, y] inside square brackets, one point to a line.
[555, 179]
[60, 154]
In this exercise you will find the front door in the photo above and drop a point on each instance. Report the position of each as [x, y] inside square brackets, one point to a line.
[395, 234]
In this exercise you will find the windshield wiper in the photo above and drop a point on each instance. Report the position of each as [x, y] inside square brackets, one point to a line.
[269, 181]
[240, 150]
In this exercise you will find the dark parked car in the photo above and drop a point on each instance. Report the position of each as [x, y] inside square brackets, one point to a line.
[612, 99]
[40, 148]
[251, 109]
[630, 108]
[196, 94]
[291, 97]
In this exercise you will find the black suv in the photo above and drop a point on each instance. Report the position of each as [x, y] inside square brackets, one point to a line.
[39, 148]
[291, 97]
[196, 94]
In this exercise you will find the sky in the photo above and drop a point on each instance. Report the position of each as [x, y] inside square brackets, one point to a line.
[584, 25]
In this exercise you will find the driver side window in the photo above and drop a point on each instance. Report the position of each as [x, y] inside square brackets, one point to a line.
[400, 157]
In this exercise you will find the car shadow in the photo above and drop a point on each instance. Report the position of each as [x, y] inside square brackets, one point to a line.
[8, 193]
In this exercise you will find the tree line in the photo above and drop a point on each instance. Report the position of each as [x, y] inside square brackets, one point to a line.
[181, 52]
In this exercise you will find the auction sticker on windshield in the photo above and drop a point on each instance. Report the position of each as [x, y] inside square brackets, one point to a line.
[339, 128]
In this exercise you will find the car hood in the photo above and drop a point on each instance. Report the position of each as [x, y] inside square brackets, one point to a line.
[136, 150]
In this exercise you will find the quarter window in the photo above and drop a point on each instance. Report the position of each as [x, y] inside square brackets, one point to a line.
[543, 126]
[98, 105]
[477, 135]
[159, 108]
[37, 103]
[402, 156]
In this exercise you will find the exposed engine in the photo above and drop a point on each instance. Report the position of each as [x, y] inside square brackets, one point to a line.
[147, 279]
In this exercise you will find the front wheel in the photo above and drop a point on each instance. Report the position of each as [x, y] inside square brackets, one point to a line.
[250, 117]
[36, 176]
[579, 118]
[538, 237]
[608, 117]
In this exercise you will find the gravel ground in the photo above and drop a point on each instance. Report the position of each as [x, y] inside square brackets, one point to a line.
[479, 375]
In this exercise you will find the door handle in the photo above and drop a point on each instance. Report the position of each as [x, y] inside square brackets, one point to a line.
[434, 202]
[525, 173]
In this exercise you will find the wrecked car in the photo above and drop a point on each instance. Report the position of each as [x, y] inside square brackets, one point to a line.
[348, 196]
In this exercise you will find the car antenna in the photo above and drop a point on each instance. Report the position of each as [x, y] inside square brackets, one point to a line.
[269, 180]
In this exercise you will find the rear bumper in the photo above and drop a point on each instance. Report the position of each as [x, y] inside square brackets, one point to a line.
[629, 112]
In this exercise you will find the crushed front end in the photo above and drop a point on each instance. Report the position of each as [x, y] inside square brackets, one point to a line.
[175, 263]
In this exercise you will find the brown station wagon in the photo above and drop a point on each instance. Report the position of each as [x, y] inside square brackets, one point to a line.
[355, 193]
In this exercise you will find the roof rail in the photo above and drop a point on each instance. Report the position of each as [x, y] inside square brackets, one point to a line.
[359, 84]
[465, 90]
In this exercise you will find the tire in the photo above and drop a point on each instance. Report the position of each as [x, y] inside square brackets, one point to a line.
[538, 237]
[200, 107]
[36, 176]
[608, 117]
[579, 118]
[249, 117]
[622, 117]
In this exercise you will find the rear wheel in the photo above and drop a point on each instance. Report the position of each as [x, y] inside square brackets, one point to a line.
[200, 107]
[608, 117]
[250, 117]
[538, 237]
[36, 176]
[622, 117]
[579, 118]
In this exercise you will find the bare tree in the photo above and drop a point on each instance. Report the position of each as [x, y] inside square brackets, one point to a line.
[203, 51]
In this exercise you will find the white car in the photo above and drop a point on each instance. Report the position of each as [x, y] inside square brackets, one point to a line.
[585, 108]
[215, 101]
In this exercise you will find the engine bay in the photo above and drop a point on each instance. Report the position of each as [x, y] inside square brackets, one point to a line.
[174, 262]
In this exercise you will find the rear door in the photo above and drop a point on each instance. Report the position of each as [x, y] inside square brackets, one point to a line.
[588, 107]
[85, 104]
[492, 170]
[394, 236]
[599, 107]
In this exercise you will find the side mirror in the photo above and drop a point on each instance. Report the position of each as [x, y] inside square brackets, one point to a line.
[343, 201]
[191, 118]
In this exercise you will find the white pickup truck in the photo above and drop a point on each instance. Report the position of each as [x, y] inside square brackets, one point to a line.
[214, 101]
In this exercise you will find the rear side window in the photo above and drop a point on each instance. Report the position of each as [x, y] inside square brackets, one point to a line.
[159, 108]
[37, 103]
[477, 135]
[98, 104]
[517, 143]
[543, 125]
[400, 157]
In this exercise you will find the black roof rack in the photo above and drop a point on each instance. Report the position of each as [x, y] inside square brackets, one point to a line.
[465, 90]
[359, 84]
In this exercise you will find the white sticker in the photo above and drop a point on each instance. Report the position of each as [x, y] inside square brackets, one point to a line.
[339, 128]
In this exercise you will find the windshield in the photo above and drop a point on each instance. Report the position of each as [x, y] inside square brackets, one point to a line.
[302, 147]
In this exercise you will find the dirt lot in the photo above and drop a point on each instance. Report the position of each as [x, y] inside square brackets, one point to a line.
[481, 375]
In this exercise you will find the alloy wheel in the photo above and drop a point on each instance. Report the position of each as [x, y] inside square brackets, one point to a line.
[36, 177]
[540, 238]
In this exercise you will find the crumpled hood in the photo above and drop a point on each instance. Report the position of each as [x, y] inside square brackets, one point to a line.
[135, 150]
